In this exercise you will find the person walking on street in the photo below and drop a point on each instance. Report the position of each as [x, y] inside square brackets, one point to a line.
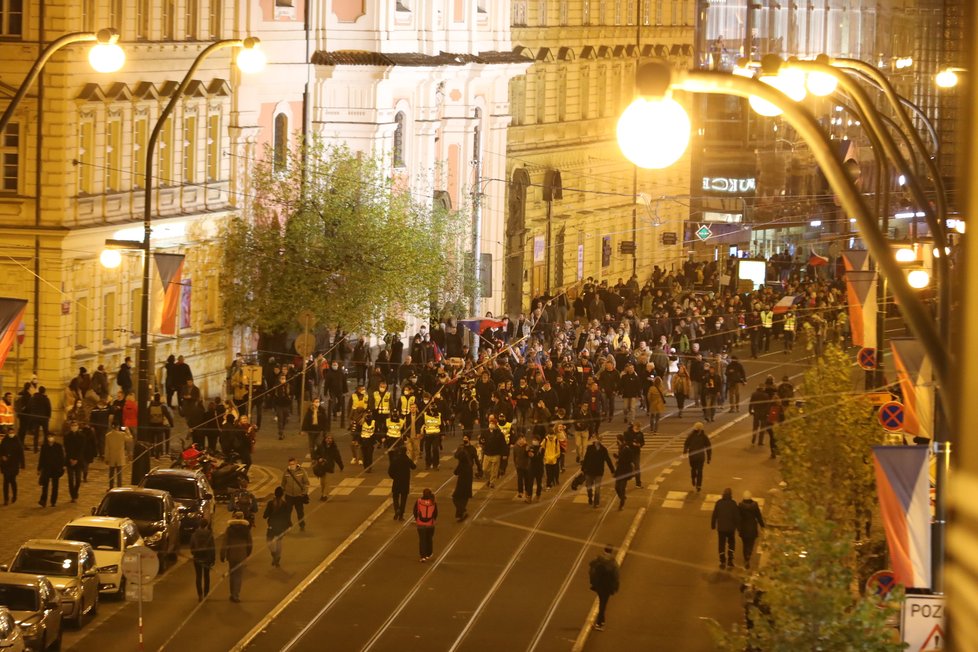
[278, 515]
[757, 407]
[624, 470]
[736, 376]
[235, 551]
[11, 462]
[605, 576]
[682, 387]
[596, 457]
[726, 518]
[521, 462]
[697, 447]
[203, 550]
[468, 462]
[425, 514]
[315, 422]
[655, 403]
[295, 484]
[50, 468]
[326, 458]
[282, 404]
[534, 453]
[749, 521]
[399, 469]
[74, 448]
[635, 438]
[493, 450]
[118, 444]
[550, 449]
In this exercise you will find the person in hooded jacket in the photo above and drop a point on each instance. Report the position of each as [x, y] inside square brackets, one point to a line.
[11, 462]
[204, 553]
[749, 520]
[235, 550]
[326, 457]
[425, 515]
[725, 519]
[697, 447]
[624, 469]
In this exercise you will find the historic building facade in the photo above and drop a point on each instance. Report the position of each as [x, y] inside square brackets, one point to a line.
[576, 207]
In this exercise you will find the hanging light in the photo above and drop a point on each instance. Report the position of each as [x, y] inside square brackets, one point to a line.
[251, 58]
[905, 255]
[106, 55]
[918, 278]
[653, 132]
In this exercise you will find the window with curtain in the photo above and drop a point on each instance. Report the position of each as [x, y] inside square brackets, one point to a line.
[164, 174]
[113, 155]
[280, 143]
[169, 19]
[140, 131]
[11, 17]
[191, 19]
[108, 318]
[10, 158]
[585, 101]
[189, 148]
[142, 19]
[214, 147]
[540, 88]
[83, 322]
[86, 157]
[214, 19]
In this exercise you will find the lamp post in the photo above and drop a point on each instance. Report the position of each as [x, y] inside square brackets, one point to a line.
[106, 56]
[249, 59]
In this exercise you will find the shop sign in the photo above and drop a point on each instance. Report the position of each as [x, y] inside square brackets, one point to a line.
[730, 185]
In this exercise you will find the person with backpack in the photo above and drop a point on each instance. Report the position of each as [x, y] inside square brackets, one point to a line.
[425, 514]
[204, 554]
[604, 575]
[160, 422]
[278, 514]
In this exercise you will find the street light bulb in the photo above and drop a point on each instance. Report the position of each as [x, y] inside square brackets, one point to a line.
[653, 132]
[110, 258]
[905, 255]
[250, 57]
[106, 55]
[918, 279]
[821, 84]
[790, 82]
[946, 78]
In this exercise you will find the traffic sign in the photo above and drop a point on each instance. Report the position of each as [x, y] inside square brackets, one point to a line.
[922, 623]
[880, 584]
[140, 565]
[866, 358]
[670, 238]
[891, 416]
[703, 232]
[305, 344]
[306, 319]
[139, 592]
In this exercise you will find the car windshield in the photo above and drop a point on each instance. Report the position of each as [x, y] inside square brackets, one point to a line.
[18, 598]
[135, 506]
[37, 561]
[100, 538]
[178, 487]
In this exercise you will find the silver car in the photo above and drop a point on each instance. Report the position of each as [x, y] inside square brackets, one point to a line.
[70, 565]
[35, 605]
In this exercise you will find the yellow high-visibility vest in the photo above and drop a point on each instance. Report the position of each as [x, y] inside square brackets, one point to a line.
[767, 319]
[506, 428]
[382, 402]
[789, 323]
[358, 402]
[367, 430]
[432, 424]
[394, 428]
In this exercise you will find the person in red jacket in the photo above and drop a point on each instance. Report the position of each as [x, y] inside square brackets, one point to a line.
[130, 412]
[425, 513]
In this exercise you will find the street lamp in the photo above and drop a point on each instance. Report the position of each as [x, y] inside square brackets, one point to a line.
[106, 56]
[252, 62]
[948, 77]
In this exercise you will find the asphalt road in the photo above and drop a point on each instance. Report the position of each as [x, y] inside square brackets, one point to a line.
[512, 575]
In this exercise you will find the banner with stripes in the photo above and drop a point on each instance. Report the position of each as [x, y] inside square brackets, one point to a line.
[861, 288]
[903, 487]
[916, 376]
[856, 260]
[167, 295]
[11, 314]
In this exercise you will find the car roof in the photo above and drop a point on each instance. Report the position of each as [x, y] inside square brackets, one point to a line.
[116, 522]
[55, 544]
[190, 474]
[20, 579]
[154, 493]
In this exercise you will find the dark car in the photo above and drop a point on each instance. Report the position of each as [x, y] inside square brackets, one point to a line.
[36, 606]
[189, 489]
[154, 512]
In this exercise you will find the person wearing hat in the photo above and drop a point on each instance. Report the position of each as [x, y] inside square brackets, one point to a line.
[698, 449]
[605, 577]
[235, 550]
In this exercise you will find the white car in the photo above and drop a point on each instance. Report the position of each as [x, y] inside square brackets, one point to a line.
[11, 639]
[109, 537]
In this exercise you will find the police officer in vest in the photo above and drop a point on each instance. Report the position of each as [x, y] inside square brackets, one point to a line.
[381, 406]
[432, 436]
[767, 327]
[790, 327]
[368, 430]
[394, 430]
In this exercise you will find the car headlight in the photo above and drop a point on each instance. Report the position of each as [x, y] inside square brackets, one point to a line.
[70, 591]
[114, 568]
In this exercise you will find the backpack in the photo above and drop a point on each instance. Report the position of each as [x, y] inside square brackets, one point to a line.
[774, 413]
[426, 511]
[603, 576]
[156, 415]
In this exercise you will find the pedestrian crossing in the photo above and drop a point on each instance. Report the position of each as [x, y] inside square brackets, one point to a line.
[683, 499]
[380, 486]
[661, 441]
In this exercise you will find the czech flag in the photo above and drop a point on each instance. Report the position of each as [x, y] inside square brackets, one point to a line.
[11, 315]
[167, 294]
[915, 373]
[817, 261]
[480, 325]
[861, 290]
[786, 303]
[903, 486]
[856, 260]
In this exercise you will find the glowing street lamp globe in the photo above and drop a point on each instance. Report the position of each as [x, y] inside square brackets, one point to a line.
[918, 279]
[789, 81]
[251, 58]
[821, 84]
[653, 132]
[946, 78]
[110, 258]
[905, 255]
[106, 55]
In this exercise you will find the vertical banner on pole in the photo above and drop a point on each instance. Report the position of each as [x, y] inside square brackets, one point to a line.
[11, 314]
[903, 487]
[916, 376]
[168, 294]
[863, 305]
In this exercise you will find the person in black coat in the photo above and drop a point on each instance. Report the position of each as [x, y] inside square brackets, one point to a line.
[624, 469]
[326, 458]
[278, 513]
[315, 422]
[40, 411]
[50, 468]
[74, 450]
[204, 552]
[468, 462]
[635, 438]
[604, 575]
[726, 518]
[11, 462]
[749, 520]
[697, 447]
[596, 457]
[399, 470]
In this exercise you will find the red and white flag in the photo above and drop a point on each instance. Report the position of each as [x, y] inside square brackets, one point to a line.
[861, 289]
[11, 315]
[916, 376]
[166, 295]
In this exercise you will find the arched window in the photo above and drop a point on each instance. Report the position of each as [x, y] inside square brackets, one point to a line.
[280, 143]
[398, 153]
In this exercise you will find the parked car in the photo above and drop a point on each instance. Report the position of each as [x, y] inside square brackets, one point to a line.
[11, 638]
[70, 565]
[109, 537]
[190, 490]
[35, 606]
[154, 513]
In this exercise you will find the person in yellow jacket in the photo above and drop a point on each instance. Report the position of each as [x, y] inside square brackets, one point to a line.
[550, 447]
[790, 328]
[767, 327]
[367, 431]
[432, 437]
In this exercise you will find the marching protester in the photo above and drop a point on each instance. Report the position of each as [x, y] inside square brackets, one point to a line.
[425, 515]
